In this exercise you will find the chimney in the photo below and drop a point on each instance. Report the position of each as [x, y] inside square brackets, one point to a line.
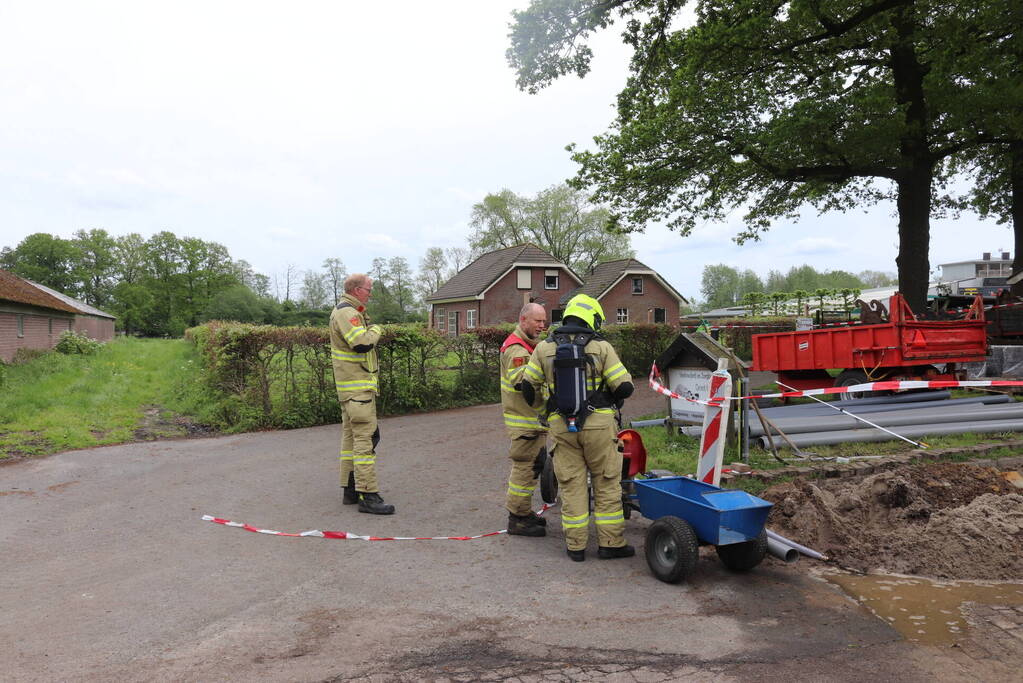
[987, 255]
[1005, 256]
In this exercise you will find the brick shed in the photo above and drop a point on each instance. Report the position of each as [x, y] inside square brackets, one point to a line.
[33, 316]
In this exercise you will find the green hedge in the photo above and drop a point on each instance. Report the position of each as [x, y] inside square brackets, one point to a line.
[264, 376]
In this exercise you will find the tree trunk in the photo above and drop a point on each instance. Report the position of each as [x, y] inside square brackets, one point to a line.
[916, 166]
[1016, 202]
[914, 202]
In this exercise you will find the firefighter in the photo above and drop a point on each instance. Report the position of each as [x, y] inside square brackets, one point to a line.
[527, 433]
[353, 354]
[585, 440]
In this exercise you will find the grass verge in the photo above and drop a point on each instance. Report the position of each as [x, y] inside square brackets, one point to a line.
[129, 389]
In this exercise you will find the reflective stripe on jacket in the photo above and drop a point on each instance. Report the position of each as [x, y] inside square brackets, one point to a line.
[353, 351]
[519, 416]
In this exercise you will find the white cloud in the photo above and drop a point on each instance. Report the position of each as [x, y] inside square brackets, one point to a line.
[818, 245]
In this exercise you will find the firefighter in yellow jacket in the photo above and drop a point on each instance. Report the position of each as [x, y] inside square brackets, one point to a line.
[528, 435]
[585, 436]
[353, 354]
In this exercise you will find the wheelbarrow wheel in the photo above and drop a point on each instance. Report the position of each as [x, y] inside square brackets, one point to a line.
[671, 548]
[741, 557]
[548, 482]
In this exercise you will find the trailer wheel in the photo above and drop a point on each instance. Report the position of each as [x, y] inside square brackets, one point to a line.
[671, 549]
[848, 378]
[741, 557]
[548, 482]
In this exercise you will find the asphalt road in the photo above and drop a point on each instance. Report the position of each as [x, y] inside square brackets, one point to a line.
[107, 572]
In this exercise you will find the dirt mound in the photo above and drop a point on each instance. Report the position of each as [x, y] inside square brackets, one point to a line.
[946, 520]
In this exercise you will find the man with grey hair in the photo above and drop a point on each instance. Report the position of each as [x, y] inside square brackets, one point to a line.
[527, 433]
[353, 354]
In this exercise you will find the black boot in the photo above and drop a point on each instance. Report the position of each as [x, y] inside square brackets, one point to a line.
[374, 504]
[536, 519]
[576, 555]
[523, 525]
[614, 553]
[349, 495]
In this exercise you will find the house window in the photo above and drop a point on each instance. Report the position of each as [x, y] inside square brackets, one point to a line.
[440, 317]
[623, 316]
[550, 279]
[637, 285]
[557, 314]
[50, 320]
[21, 324]
[453, 323]
[659, 316]
[470, 319]
[525, 278]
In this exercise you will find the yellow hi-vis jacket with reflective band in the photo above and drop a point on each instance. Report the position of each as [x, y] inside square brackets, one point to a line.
[519, 416]
[607, 368]
[353, 348]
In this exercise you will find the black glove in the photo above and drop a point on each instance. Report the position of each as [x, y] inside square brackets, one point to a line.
[528, 392]
[622, 392]
[376, 438]
[539, 462]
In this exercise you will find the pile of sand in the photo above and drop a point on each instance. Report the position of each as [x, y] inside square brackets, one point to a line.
[945, 520]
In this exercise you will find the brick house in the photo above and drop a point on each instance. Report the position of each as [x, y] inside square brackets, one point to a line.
[493, 288]
[629, 292]
[33, 316]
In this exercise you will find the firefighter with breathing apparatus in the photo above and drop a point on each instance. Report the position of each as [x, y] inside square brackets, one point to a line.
[586, 382]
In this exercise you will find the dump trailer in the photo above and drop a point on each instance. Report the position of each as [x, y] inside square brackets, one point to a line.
[890, 344]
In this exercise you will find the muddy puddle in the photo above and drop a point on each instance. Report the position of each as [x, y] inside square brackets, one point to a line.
[925, 611]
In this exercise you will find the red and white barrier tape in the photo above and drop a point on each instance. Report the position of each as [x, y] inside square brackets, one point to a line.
[349, 536]
[868, 386]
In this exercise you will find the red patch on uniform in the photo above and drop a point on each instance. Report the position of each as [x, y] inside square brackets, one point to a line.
[355, 321]
[521, 360]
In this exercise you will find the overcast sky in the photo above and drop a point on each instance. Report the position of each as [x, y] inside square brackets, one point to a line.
[294, 132]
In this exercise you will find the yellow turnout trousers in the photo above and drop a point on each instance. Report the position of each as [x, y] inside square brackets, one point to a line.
[521, 479]
[358, 423]
[594, 451]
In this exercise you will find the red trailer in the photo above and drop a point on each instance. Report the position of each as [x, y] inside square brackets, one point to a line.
[900, 347]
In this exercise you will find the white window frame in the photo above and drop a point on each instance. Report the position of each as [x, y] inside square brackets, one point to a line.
[622, 316]
[547, 274]
[21, 325]
[639, 281]
[524, 278]
[470, 318]
[453, 323]
[440, 319]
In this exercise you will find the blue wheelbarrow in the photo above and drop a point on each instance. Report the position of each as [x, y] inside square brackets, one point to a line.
[688, 513]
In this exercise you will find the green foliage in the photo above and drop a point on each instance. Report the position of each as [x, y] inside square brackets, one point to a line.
[71, 342]
[560, 220]
[266, 377]
[128, 389]
[737, 333]
[639, 344]
[832, 104]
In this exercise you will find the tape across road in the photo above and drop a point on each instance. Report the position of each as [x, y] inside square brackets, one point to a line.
[349, 536]
[868, 386]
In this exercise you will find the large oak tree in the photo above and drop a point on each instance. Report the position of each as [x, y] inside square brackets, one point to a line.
[768, 105]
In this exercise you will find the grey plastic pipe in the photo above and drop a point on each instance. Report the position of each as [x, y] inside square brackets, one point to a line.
[647, 423]
[785, 553]
[869, 434]
[937, 415]
[792, 544]
[818, 409]
[913, 397]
